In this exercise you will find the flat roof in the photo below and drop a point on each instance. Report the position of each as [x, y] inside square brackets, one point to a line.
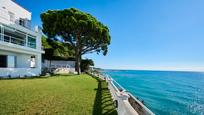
[14, 1]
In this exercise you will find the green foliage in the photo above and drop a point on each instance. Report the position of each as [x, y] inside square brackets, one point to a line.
[45, 43]
[57, 50]
[72, 23]
[81, 30]
[85, 64]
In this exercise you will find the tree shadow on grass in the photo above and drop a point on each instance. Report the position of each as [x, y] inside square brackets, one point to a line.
[64, 75]
[103, 104]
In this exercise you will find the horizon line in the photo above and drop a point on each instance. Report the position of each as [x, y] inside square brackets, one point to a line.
[155, 70]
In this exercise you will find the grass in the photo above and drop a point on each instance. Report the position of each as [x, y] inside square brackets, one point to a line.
[72, 95]
[103, 102]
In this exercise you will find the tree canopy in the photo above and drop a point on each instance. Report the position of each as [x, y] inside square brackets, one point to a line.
[57, 50]
[79, 29]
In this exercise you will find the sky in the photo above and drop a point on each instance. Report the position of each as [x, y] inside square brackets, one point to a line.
[145, 34]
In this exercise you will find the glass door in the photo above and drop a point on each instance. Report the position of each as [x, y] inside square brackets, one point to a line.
[3, 61]
[11, 61]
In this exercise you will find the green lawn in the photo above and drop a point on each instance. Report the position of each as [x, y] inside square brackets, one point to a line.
[71, 95]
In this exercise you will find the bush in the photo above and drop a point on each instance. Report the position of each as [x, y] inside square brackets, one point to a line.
[85, 65]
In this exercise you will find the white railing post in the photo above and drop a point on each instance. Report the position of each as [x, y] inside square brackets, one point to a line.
[124, 96]
[121, 96]
[9, 39]
[108, 81]
[26, 42]
[2, 32]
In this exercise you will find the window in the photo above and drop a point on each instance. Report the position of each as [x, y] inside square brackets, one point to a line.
[3, 61]
[7, 61]
[22, 22]
[31, 42]
[32, 62]
[11, 61]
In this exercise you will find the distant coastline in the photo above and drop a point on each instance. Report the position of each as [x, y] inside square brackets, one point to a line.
[153, 70]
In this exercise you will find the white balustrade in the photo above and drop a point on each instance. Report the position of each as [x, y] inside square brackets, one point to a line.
[121, 98]
[15, 40]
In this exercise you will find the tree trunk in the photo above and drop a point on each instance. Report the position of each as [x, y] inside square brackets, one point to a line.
[50, 66]
[78, 64]
[78, 56]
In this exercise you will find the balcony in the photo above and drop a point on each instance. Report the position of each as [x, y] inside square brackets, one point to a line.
[18, 41]
[9, 16]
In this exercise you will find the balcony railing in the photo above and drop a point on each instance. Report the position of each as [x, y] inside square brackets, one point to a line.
[18, 41]
[9, 17]
[125, 102]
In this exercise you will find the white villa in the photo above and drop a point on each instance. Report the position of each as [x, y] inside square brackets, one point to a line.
[20, 47]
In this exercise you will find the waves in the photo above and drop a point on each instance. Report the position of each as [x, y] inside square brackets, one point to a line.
[165, 92]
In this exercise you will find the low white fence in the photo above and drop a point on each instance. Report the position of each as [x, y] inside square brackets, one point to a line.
[125, 102]
[58, 64]
[59, 67]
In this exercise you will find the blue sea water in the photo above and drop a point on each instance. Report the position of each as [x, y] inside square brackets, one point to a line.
[165, 92]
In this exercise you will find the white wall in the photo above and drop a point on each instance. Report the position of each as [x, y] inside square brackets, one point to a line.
[22, 65]
[20, 12]
[60, 67]
[39, 61]
[19, 72]
[71, 64]
[22, 60]
[38, 42]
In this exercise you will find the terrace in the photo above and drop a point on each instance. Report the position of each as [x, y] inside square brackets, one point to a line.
[10, 17]
[31, 43]
[70, 94]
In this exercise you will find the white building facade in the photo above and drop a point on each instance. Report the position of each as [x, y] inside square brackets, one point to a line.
[20, 47]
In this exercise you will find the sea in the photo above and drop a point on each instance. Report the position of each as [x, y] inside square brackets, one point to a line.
[164, 92]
